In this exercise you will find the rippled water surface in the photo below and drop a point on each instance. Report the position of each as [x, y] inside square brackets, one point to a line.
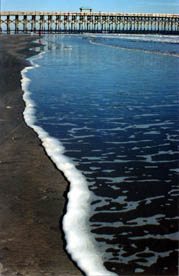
[115, 110]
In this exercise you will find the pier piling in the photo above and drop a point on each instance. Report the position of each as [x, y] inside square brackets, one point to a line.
[88, 21]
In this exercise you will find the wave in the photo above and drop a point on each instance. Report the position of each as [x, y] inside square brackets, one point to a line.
[148, 38]
[80, 243]
[160, 45]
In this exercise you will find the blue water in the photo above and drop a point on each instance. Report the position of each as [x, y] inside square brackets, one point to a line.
[113, 103]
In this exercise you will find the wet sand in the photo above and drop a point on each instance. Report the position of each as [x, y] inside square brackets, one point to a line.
[32, 190]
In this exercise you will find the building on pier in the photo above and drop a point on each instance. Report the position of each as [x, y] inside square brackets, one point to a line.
[85, 9]
[88, 21]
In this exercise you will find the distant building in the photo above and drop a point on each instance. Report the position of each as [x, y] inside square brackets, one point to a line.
[85, 9]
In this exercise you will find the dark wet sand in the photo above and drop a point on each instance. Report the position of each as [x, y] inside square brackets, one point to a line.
[31, 189]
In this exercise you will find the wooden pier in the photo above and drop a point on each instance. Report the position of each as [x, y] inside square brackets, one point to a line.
[88, 21]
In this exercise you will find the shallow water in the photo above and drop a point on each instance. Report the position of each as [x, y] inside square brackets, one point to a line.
[112, 101]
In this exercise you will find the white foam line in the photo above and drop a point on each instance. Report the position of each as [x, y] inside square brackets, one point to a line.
[172, 236]
[152, 220]
[141, 38]
[133, 49]
[80, 243]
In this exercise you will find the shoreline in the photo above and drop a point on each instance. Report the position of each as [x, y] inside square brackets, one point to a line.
[32, 190]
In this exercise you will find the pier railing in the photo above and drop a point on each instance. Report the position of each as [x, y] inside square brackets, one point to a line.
[89, 22]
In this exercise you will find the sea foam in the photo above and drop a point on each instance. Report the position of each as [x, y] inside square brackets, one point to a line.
[80, 242]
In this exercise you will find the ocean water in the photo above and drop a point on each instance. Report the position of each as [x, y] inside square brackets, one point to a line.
[106, 110]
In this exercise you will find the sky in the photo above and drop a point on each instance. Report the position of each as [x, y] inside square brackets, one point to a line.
[130, 6]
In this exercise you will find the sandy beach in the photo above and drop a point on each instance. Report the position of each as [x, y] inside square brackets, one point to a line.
[32, 190]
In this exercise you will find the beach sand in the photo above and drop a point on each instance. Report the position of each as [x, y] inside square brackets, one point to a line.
[32, 190]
